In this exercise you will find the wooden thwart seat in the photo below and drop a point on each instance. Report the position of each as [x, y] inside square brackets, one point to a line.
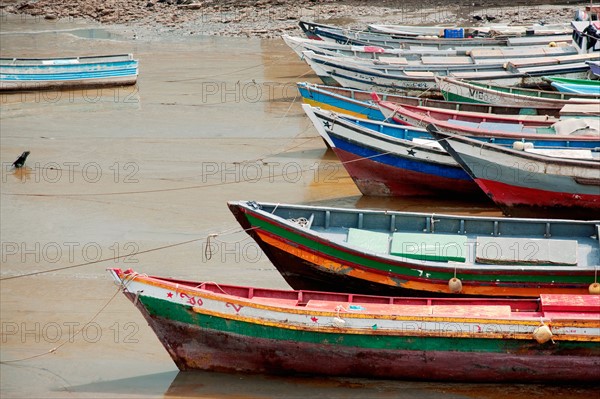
[526, 251]
[433, 247]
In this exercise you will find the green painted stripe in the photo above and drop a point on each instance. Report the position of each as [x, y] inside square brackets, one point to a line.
[585, 82]
[184, 314]
[345, 257]
[448, 96]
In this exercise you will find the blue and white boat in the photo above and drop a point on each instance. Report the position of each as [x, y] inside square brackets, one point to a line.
[69, 72]
[385, 159]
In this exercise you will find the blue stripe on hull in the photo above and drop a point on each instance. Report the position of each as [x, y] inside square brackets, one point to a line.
[68, 76]
[399, 161]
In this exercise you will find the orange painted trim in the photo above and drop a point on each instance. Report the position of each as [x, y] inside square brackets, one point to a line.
[366, 275]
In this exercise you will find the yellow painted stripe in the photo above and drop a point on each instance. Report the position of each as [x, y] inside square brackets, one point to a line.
[333, 108]
[379, 331]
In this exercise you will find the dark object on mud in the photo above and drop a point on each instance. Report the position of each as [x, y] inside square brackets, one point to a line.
[21, 160]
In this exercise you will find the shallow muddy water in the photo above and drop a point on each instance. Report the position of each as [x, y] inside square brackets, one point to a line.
[125, 177]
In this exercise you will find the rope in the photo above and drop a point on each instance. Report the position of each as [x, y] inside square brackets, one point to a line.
[123, 285]
[100, 260]
[208, 248]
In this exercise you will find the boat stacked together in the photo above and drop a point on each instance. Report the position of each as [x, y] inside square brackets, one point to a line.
[418, 295]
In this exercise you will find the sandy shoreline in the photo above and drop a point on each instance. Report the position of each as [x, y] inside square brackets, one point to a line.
[272, 18]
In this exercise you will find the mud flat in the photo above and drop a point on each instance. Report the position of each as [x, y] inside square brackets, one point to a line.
[272, 18]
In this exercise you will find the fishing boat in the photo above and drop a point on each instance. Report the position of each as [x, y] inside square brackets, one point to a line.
[493, 30]
[507, 126]
[475, 92]
[355, 37]
[421, 79]
[221, 327]
[391, 56]
[398, 253]
[577, 86]
[594, 67]
[69, 72]
[390, 160]
[527, 183]
[359, 103]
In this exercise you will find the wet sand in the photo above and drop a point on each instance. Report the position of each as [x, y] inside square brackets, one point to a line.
[115, 172]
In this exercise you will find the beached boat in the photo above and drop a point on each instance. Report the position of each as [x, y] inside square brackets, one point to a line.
[594, 67]
[475, 92]
[68, 72]
[421, 79]
[360, 104]
[221, 327]
[578, 86]
[390, 160]
[347, 36]
[493, 30]
[524, 183]
[397, 253]
[507, 126]
[395, 56]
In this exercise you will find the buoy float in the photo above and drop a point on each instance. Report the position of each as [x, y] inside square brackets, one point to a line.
[542, 334]
[339, 323]
[455, 285]
[594, 288]
[552, 44]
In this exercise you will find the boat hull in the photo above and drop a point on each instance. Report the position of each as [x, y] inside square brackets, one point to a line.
[402, 177]
[359, 103]
[309, 261]
[384, 163]
[18, 74]
[527, 185]
[198, 341]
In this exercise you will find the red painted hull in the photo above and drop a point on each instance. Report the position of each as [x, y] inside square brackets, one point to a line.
[378, 179]
[523, 201]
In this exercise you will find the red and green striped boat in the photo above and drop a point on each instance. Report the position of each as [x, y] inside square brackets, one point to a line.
[218, 327]
[407, 253]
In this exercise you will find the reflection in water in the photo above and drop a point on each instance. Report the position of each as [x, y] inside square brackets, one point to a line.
[91, 99]
[200, 384]
[22, 174]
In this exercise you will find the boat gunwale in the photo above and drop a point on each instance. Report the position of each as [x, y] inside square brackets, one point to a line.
[425, 265]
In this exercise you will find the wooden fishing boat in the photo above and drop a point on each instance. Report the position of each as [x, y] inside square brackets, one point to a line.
[397, 253]
[594, 67]
[70, 72]
[390, 160]
[347, 36]
[421, 79]
[221, 327]
[523, 183]
[400, 161]
[577, 86]
[396, 56]
[466, 116]
[493, 30]
[473, 124]
[469, 91]
[360, 104]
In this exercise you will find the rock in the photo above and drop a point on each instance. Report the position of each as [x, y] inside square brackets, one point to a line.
[192, 6]
[50, 16]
